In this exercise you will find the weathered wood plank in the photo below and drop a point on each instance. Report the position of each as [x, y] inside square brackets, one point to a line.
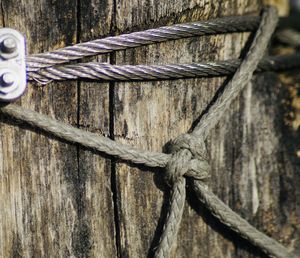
[56, 198]
[244, 154]
[95, 177]
[38, 173]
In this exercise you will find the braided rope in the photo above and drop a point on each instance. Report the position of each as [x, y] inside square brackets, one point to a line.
[108, 72]
[242, 76]
[174, 217]
[228, 217]
[240, 79]
[136, 39]
[85, 138]
[92, 140]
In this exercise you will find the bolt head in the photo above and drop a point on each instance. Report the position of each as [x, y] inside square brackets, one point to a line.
[7, 80]
[7, 83]
[9, 45]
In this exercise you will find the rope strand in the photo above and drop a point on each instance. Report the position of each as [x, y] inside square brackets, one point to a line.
[171, 227]
[85, 138]
[232, 220]
[242, 76]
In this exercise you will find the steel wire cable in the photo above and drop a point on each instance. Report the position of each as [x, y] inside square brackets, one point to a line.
[108, 72]
[136, 39]
[289, 36]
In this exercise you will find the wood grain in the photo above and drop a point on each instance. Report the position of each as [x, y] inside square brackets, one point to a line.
[97, 211]
[61, 200]
[246, 172]
[37, 173]
[56, 197]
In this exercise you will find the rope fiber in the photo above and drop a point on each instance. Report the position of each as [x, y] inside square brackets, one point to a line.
[188, 155]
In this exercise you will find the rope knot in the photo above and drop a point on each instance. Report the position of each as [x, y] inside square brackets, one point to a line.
[189, 158]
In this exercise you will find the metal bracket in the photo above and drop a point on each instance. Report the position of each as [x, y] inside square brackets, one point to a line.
[12, 64]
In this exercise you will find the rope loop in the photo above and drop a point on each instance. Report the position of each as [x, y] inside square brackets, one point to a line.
[189, 158]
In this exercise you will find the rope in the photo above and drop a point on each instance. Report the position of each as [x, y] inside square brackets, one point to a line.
[174, 217]
[193, 143]
[242, 76]
[108, 72]
[85, 138]
[95, 141]
[188, 156]
[228, 217]
[136, 39]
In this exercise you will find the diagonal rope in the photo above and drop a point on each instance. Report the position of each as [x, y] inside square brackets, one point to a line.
[136, 39]
[233, 221]
[108, 72]
[242, 76]
[189, 161]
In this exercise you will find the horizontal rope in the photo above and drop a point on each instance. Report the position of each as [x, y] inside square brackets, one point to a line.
[107, 72]
[90, 140]
[136, 39]
[85, 138]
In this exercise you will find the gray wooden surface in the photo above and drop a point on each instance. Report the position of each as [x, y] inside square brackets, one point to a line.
[60, 200]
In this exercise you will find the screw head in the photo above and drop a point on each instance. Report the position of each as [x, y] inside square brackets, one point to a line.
[7, 79]
[9, 45]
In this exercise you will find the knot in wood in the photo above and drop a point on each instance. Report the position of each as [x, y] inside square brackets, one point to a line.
[189, 158]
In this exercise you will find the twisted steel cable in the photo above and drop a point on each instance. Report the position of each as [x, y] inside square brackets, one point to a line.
[107, 72]
[289, 36]
[135, 39]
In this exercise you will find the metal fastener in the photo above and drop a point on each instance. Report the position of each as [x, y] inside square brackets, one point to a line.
[8, 82]
[9, 45]
[7, 79]
[12, 65]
